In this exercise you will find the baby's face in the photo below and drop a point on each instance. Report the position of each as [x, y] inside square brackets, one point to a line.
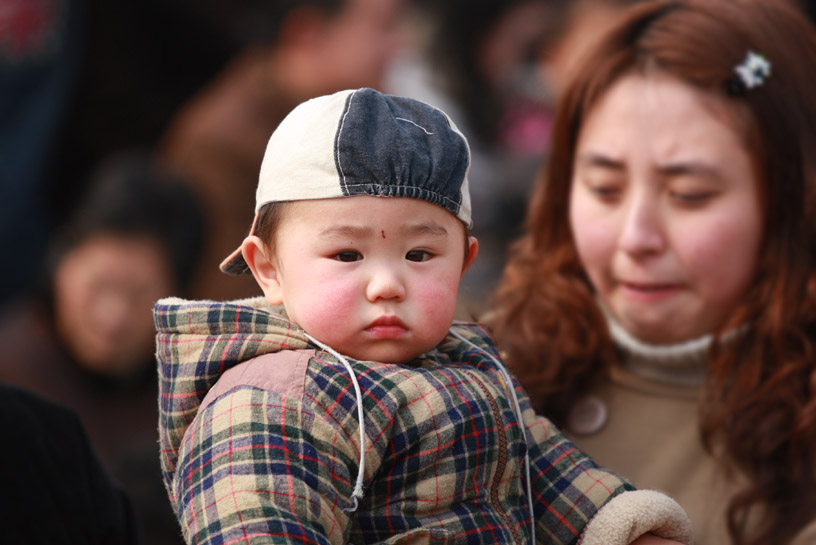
[375, 278]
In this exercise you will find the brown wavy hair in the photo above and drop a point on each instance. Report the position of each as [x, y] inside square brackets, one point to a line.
[758, 406]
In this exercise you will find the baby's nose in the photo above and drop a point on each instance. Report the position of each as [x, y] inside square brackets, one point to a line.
[385, 283]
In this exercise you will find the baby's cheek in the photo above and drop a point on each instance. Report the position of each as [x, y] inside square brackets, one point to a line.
[438, 301]
[329, 306]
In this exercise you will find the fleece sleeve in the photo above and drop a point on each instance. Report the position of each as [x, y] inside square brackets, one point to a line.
[632, 514]
[257, 466]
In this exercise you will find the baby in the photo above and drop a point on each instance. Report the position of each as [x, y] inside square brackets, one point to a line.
[346, 405]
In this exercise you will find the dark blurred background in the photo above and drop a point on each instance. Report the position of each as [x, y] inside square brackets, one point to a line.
[131, 134]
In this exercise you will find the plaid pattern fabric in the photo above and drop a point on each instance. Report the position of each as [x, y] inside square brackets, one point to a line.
[444, 449]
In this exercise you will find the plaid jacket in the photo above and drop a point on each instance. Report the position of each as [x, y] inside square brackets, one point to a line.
[260, 441]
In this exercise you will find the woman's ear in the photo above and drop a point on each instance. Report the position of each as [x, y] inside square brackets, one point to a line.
[472, 252]
[263, 268]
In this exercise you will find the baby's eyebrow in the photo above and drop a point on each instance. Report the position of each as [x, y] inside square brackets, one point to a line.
[360, 231]
[354, 231]
[426, 228]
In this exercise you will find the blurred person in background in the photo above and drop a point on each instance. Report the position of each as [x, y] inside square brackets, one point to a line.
[584, 22]
[40, 48]
[480, 62]
[55, 487]
[86, 341]
[80, 79]
[140, 61]
[288, 51]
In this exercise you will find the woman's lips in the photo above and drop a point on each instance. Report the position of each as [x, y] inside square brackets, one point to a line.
[649, 291]
[387, 327]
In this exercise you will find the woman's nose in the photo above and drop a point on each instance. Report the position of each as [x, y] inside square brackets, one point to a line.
[642, 232]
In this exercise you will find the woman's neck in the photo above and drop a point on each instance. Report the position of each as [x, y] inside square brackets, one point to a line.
[681, 364]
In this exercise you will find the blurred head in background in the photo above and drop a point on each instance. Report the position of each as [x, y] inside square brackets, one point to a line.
[485, 56]
[134, 238]
[584, 22]
[315, 46]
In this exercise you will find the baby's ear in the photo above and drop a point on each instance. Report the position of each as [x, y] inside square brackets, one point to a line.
[471, 252]
[263, 269]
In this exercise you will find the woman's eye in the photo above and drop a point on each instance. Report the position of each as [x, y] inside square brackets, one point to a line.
[603, 189]
[606, 192]
[691, 198]
[418, 255]
[347, 256]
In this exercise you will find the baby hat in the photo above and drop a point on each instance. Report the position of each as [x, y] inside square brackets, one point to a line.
[363, 142]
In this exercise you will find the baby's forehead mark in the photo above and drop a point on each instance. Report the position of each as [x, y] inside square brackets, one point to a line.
[429, 228]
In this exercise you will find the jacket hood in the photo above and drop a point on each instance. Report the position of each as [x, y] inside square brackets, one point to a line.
[196, 342]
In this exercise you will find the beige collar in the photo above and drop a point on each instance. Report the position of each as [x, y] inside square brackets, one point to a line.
[681, 364]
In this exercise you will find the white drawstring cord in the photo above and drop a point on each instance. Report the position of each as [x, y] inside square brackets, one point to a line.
[357, 493]
[517, 408]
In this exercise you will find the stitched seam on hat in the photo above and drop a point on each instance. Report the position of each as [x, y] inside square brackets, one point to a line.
[426, 131]
[337, 140]
[402, 191]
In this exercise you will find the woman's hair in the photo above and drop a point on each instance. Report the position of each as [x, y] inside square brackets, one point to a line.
[758, 406]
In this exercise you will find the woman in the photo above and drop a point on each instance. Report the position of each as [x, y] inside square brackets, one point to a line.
[662, 306]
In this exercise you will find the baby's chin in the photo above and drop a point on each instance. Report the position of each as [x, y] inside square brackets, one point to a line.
[382, 352]
[384, 356]
[396, 351]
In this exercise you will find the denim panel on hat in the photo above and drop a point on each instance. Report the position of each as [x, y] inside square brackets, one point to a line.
[400, 147]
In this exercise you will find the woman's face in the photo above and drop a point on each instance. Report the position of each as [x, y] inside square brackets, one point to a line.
[664, 208]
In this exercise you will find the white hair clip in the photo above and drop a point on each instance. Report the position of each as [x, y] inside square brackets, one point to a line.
[753, 70]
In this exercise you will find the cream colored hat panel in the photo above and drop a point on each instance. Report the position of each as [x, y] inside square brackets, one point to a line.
[298, 163]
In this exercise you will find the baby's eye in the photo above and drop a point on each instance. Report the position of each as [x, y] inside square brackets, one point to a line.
[348, 256]
[418, 255]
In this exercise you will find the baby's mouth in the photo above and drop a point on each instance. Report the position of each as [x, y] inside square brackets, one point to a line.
[387, 327]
